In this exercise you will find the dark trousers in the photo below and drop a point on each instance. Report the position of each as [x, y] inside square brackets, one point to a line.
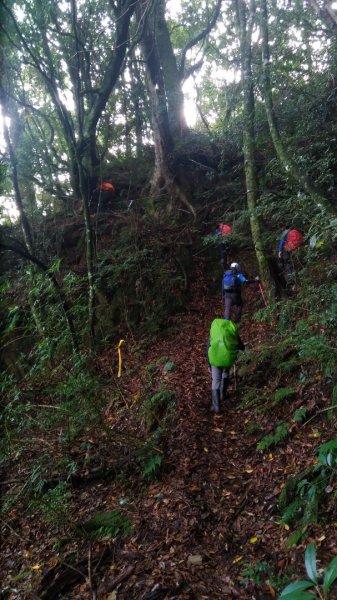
[224, 248]
[101, 201]
[230, 299]
[286, 263]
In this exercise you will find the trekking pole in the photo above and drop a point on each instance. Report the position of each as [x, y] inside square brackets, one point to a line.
[234, 374]
[262, 294]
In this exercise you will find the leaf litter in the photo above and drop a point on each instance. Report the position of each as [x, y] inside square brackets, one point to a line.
[213, 509]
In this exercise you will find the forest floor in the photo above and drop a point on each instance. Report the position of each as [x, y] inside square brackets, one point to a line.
[208, 526]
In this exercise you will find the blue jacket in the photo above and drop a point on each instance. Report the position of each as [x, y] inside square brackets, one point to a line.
[240, 279]
[283, 240]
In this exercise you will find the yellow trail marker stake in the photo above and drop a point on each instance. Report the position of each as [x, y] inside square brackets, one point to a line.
[120, 358]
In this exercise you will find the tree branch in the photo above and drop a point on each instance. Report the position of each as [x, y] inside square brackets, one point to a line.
[199, 37]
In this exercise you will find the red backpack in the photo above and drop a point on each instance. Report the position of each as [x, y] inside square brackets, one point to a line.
[106, 187]
[294, 240]
[225, 229]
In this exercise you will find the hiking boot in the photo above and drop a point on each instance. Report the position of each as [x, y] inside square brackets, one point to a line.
[215, 406]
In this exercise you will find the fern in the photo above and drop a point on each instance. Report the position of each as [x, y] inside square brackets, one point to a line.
[252, 428]
[332, 413]
[303, 494]
[152, 466]
[291, 512]
[282, 393]
[281, 433]
[266, 442]
[107, 525]
[252, 398]
[288, 366]
[334, 396]
[158, 411]
[310, 513]
[155, 404]
[300, 414]
[295, 537]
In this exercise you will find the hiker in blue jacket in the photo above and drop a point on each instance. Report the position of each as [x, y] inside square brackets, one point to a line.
[231, 290]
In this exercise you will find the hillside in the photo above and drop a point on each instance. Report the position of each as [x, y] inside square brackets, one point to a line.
[205, 518]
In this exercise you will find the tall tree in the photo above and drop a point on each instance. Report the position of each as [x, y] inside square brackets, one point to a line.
[27, 250]
[245, 19]
[165, 78]
[57, 44]
[163, 176]
[289, 163]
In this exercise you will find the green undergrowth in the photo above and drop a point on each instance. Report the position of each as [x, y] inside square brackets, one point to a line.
[141, 278]
[67, 399]
[105, 525]
[262, 574]
[300, 348]
[56, 434]
[319, 580]
[291, 379]
[157, 415]
[311, 494]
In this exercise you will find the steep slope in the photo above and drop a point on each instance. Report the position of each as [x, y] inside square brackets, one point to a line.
[208, 525]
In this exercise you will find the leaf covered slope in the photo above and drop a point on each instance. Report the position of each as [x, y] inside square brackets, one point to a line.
[201, 496]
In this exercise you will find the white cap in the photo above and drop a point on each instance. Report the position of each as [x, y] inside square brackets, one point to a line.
[235, 266]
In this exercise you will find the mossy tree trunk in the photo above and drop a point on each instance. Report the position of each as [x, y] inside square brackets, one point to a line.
[249, 151]
[288, 162]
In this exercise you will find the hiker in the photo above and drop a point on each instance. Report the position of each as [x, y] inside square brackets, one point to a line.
[231, 290]
[101, 196]
[223, 346]
[291, 239]
[222, 232]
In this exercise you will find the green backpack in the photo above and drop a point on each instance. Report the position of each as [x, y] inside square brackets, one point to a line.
[224, 343]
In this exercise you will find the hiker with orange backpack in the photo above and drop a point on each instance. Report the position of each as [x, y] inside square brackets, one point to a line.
[291, 240]
[223, 346]
[223, 230]
[102, 196]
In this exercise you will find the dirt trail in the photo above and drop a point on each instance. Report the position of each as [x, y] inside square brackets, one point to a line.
[213, 505]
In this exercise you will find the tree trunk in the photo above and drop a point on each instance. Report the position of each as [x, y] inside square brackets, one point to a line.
[249, 143]
[90, 256]
[163, 176]
[26, 230]
[171, 76]
[303, 179]
[137, 94]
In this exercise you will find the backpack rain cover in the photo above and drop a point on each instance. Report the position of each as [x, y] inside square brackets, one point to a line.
[224, 343]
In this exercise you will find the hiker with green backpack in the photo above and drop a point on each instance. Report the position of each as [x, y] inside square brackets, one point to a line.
[224, 344]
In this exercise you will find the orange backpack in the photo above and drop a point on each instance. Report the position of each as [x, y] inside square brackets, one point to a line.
[225, 229]
[294, 240]
[107, 187]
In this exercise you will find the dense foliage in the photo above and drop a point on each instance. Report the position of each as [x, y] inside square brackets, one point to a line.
[105, 91]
